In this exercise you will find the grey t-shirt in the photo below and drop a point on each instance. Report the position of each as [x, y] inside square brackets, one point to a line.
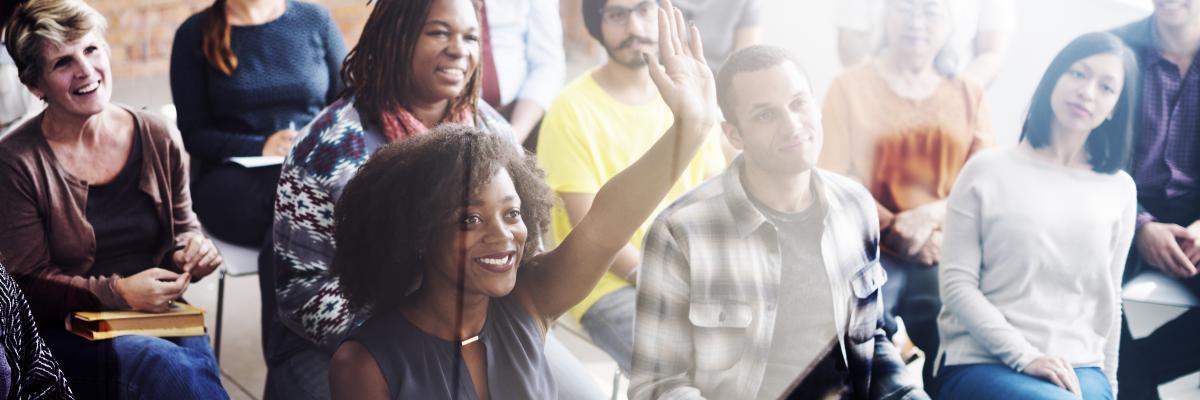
[718, 20]
[804, 322]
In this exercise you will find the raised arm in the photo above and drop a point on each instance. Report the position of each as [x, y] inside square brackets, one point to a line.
[565, 275]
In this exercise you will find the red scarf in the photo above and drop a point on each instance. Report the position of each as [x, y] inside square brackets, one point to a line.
[402, 124]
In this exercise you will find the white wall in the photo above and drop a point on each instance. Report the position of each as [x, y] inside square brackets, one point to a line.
[806, 27]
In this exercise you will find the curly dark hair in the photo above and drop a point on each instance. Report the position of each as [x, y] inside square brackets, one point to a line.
[407, 197]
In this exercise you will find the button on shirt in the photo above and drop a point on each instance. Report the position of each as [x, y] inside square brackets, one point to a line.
[1166, 164]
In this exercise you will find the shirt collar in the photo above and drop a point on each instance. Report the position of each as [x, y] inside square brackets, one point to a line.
[746, 217]
[1153, 56]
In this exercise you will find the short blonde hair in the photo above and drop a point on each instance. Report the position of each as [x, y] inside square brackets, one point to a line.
[39, 21]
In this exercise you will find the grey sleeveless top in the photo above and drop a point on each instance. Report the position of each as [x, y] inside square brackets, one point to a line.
[420, 366]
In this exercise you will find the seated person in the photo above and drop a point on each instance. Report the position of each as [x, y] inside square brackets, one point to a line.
[416, 66]
[462, 299]
[95, 213]
[526, 53]
[1167, 172]
[765, 281]
[1037, 237]
[598, 126]
[728, 25]
[904, 129]
[237, 96]
[976, 49]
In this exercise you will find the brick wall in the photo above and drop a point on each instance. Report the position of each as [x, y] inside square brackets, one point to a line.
[140, 32]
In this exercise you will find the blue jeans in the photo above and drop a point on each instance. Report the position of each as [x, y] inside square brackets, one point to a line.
[999, 382]
[137, 367]
[610, 324]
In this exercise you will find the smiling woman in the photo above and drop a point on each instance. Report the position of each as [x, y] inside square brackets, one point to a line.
[96, 211]
[415, 67]
[438, 237]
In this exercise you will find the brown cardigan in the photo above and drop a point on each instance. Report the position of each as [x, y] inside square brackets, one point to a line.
[46, 241]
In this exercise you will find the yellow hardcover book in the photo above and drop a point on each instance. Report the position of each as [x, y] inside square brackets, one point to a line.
[181, 320]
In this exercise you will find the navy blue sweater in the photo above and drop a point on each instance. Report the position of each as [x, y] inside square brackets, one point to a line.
[288, 70]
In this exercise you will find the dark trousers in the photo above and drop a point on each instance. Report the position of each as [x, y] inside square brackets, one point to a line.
[911, 292]
[1172, 351]
[236, 204]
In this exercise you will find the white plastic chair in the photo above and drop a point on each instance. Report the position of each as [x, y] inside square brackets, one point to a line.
[239, 261]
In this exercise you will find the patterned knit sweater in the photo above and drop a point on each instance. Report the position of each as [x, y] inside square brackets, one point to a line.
[32, 372]
[326, 155]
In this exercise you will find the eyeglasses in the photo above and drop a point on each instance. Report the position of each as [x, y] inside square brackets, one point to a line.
[620, 15]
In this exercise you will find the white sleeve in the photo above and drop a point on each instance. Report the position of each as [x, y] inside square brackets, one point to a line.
[544, 54]
[959, 273]
[1123, 239]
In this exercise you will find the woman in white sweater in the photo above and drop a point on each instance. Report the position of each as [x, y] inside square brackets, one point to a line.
[1036, 238]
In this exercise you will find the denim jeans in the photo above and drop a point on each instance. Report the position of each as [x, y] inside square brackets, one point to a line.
[999, 382]
[610, 324]
[137, 367]
[911, 292]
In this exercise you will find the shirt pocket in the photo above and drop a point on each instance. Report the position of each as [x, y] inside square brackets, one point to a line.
[865, 286]
[720, 331]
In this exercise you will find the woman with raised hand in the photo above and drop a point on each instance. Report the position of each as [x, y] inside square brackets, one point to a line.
[95, 212]
[417, 65]
[462, 299]
[1036, 240]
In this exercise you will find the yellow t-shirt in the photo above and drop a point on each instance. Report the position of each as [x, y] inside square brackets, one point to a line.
[587, 137]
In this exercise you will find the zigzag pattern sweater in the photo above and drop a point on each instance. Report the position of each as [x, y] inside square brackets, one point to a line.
[326, 155]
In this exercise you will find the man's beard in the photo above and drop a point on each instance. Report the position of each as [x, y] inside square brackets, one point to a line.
[637, 61]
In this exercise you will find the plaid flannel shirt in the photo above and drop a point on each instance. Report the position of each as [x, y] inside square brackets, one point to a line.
[707, 294]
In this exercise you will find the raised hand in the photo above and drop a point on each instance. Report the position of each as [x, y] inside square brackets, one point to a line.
[683, 78]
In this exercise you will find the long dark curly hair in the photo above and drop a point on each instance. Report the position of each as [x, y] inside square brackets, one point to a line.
[407, 198]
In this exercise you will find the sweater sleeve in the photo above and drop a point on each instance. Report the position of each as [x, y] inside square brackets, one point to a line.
[1122, 240]
[26, 251]
[960, 271]
[309, 297]
[193, 104]
[544, 54]
[35, 372]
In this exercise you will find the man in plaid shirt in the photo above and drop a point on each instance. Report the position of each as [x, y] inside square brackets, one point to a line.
[764, 281]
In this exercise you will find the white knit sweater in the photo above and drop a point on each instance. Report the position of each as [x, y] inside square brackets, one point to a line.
[1032, 265]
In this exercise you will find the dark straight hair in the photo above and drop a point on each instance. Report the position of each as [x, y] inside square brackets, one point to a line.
[1108, 145]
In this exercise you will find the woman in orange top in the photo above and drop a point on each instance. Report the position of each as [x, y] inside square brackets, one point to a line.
[905, 130]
